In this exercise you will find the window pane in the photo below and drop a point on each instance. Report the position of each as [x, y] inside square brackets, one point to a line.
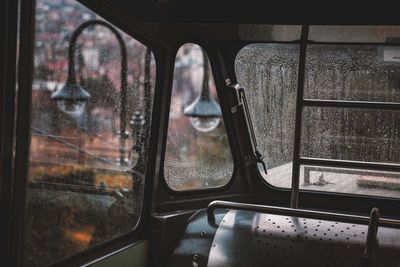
[197, 154]
[352, 181]
[268, 73]
[85, 179]
[373, 34]
[359, 73]
[351, 134]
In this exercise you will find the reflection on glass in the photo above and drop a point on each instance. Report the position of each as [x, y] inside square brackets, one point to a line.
[352, 181]
[78, 195]
[358, 73]
[197, 153]
[268, 73]
[351, 134]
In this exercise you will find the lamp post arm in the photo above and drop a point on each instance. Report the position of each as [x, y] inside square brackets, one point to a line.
[123, 93]
[205, 91]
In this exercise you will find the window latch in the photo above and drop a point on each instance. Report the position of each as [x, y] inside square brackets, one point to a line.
[243, 101]
[260, 159]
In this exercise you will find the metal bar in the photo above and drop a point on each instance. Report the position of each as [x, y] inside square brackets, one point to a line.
[351, 104]
[8, 54]
[243, 98]
[350, 164]
[311, 42]
[294, 198]
[367, 260]
[22, 143]
[318, 215]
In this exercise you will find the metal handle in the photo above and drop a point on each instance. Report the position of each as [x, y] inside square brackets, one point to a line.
[372, 233]
[311, 214]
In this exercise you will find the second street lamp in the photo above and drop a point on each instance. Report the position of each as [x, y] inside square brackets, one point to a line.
[205, 113]
[72, 98]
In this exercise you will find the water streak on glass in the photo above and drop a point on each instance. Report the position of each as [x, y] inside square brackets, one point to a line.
[356, 73]
[351, 134]
[268, 73]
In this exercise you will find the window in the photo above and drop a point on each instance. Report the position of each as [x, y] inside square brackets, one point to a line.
[268, 72]
[197, 153]
[349, 110]
[89, 132]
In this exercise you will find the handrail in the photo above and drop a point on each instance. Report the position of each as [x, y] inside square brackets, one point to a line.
[311, 214]
[368, 257]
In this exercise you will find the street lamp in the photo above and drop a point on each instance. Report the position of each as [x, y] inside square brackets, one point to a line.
[205, 114]
[72, 98]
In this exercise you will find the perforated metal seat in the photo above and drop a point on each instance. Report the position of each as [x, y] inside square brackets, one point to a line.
[248, 238]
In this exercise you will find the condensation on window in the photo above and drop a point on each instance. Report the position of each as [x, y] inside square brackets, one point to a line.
[86, 179]
[351, 134]
[333, 72]
[355, 73]
[197, 153]
[268, 73]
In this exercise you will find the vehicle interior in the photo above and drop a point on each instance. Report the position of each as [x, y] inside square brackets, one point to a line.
[199, 133]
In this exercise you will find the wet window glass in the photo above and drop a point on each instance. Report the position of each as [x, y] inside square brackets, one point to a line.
[91, 110]
[351, 134]
[197, 154]
[268, 73]
[356, 73]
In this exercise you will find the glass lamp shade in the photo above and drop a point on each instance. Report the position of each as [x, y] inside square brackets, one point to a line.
[204, 124]
[72, 108]
[71, 99]
[205, 114]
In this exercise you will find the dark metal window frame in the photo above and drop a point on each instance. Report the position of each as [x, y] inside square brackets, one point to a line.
[8, 64]
[301, 103]
[223, 104]
[16, 197]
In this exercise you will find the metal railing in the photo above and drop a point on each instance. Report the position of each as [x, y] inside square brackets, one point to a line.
[311, 214]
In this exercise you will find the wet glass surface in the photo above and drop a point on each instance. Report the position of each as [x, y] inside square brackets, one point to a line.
[268, 73]
[85, 180]
[351, 134]
[355, 73]
[197, 155]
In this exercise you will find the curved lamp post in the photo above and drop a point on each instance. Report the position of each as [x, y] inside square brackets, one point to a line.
[72, 98]
[205, 114]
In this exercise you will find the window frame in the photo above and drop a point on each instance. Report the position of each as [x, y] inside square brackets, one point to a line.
[223, 103]
[301, 102]
[112, 246]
